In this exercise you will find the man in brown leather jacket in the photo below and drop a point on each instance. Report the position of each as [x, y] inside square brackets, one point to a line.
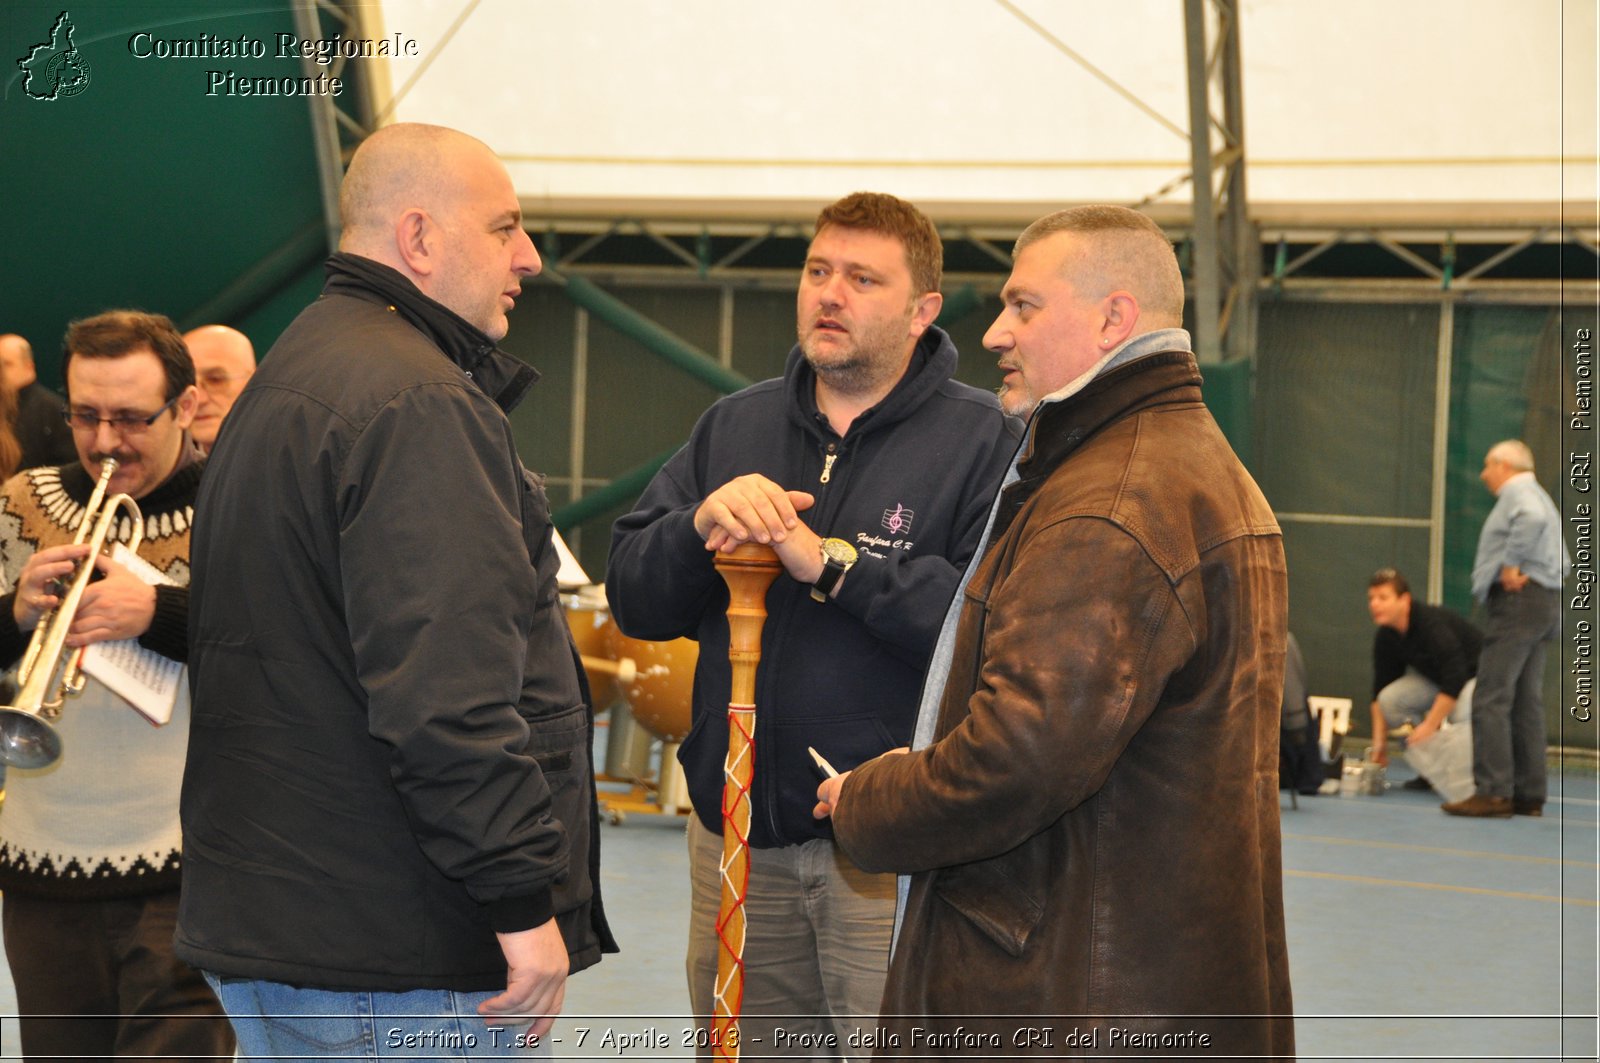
[1090, 817]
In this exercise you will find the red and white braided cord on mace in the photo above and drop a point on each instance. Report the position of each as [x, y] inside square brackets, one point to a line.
[749, 570]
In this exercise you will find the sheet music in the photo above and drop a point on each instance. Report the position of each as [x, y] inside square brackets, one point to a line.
[146, 680]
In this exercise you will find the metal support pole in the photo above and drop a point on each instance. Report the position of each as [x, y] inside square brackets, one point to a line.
[1243, 241]
[1441, 449]
[1207, 289]
[580, 406]
[262, 281]
[653, 337]
[339, 125]
[324, 124]
[725, 303]
[1225, 264]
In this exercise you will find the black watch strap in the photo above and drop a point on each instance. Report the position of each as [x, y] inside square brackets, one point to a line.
[831, 572]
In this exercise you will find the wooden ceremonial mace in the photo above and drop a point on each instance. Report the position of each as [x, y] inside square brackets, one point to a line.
[749, 570]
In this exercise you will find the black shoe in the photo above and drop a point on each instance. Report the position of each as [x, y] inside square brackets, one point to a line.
[1531, 807]
[1419, 783]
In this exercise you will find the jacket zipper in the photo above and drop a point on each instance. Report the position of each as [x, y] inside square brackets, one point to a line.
[769, 794]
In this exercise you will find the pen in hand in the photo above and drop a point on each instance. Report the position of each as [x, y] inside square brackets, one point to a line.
[828, 792]
[822, 762]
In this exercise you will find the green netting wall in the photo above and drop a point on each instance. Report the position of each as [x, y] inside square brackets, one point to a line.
[1336, 420]
[1345, 407]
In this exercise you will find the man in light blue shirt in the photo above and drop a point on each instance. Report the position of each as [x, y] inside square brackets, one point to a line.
[1517, 575]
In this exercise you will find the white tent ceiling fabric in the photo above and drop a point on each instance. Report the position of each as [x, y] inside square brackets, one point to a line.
[987, 103]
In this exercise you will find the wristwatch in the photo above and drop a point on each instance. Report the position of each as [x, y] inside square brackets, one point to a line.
[837, 557]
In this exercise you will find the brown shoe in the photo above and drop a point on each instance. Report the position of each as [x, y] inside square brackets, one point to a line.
[1480, 805]
[1528, 807]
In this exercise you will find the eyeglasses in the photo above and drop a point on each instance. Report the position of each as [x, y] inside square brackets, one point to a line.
[125, 424]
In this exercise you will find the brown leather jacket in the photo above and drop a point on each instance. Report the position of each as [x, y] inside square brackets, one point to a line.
[1093, 835]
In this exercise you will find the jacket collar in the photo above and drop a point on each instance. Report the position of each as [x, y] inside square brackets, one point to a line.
[1058, 428]
[933, 361]
[500, 376]
[1060, 425]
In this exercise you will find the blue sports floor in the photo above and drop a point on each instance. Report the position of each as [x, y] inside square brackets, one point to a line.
[1413, 935]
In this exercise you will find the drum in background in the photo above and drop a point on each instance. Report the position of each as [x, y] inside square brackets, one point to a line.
[663, 682]
[648, 687]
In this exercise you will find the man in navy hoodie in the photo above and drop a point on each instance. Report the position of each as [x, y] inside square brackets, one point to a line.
[869, 471]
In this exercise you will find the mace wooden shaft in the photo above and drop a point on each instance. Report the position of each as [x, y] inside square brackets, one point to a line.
[749, 570]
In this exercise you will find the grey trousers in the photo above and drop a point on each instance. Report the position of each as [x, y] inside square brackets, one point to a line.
[816, 949]
[1508, 728]
[1408, 699]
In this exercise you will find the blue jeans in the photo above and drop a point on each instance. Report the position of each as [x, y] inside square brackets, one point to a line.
[273, 1021]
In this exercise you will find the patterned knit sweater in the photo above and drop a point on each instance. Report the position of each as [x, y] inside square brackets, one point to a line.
[102, 821]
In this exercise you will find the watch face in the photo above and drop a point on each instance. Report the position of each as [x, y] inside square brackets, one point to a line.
[839, 550]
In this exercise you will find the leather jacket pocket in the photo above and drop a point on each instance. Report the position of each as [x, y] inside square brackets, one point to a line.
[1006, 911]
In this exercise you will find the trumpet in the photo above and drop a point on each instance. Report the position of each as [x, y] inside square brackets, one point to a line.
[28, 739]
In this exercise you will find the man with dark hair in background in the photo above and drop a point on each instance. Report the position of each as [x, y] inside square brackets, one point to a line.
[90, 846]
[867, 469]
[1424, 664]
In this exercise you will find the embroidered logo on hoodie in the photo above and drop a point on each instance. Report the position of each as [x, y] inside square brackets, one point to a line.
[897, 521]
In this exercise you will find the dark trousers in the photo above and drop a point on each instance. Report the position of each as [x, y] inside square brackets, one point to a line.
[1508, 728]
[97, 979]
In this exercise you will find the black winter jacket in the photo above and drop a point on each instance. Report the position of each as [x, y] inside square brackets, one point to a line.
[390, 756]
[908, 486]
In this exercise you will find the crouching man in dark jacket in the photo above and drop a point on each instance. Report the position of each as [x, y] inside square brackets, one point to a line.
[389, 804]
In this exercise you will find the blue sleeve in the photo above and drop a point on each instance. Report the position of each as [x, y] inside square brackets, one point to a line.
[1524, 529]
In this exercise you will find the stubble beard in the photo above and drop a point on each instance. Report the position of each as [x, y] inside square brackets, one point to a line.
[1016, 401]
[857, 376]
[865, 367]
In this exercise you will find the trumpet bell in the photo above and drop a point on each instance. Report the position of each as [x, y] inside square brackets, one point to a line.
[26, 741]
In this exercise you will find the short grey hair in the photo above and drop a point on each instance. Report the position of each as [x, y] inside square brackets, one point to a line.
[1514, 452]
[1130, 252]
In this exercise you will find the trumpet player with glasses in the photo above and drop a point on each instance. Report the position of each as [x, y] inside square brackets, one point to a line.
[89, 836]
